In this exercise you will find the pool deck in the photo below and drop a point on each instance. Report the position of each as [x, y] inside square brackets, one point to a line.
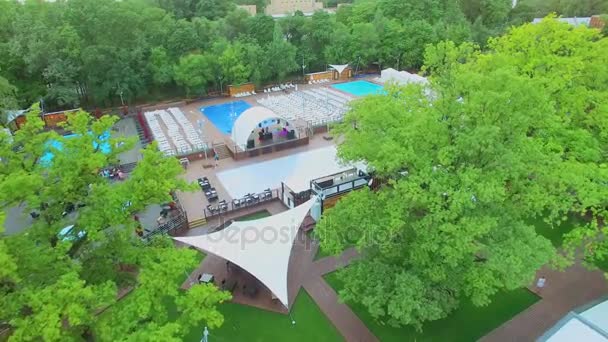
[194, 202]
[213, 135]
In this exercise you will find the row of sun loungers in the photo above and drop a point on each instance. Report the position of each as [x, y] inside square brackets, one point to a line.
[325, 80]
[152, 118]
[173, 142]
[314, 105]
[280, 87]
[245, 94]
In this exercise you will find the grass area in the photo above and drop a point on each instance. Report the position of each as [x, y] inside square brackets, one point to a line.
[468, 323]
[556, 233]
[245, 323]
[602, 265]
[254, 216]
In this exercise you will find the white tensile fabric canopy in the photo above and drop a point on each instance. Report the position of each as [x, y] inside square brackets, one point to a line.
[261, 247]
[248, 121]
[339, 68]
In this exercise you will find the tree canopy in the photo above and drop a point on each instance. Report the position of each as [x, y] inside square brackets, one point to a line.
[87, 53]
[500, 137]
[53, 286]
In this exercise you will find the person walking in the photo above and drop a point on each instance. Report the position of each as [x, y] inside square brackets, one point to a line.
[540, 283]
[216, 157]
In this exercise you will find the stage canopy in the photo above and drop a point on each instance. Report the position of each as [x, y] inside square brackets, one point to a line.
[339, 68]
[261, 247]
[248, 121]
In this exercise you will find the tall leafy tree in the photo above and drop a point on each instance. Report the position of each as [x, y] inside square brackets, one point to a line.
[194, 72]
[54, 286]
[232, 63]
[498, 138]
[282, 54]
[7, 97]
[160, 66]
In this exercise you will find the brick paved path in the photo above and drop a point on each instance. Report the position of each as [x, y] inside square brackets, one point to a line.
[342, 317]
[563, 292]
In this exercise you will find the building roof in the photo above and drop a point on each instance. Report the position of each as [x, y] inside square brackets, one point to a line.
[590, 325]
[575, 21]
[11, 115]
[261, 247]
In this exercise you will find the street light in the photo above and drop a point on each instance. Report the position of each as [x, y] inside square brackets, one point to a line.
[220, 78]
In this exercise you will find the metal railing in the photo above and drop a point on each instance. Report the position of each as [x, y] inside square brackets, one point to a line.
[251, 200]
[177, 222]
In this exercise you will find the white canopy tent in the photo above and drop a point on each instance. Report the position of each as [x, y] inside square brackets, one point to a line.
[248, 121]
[339, 67]
[261, 247]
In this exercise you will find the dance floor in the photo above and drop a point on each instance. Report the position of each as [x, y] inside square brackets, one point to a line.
[295, 170]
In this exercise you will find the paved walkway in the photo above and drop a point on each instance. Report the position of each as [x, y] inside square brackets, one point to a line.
[343, 318]
[563, 292]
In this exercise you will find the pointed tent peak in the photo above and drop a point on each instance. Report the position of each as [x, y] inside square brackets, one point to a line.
[339, 67]
[261, 247]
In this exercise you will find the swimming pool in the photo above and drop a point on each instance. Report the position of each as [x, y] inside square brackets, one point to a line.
[360, 88]
[57, 145]
[220, 115]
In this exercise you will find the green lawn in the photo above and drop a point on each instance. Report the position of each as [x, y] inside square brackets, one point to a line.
[603, 265]
[245, 323]
[555, 234]
[468, 323]
[254, 216]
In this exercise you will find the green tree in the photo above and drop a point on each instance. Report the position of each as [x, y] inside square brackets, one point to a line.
[160, 66]
[53, 287]
[261, 28]
[232, 64]
[504, 136]
[282, 54]
[7, 97]
[339, 50]
[214, 9]
[193, 72]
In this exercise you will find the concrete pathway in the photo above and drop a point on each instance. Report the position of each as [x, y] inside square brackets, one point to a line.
[563, 292]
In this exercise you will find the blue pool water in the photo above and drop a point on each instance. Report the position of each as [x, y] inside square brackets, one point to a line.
[220, 115]
[360, 88]
[57, 145]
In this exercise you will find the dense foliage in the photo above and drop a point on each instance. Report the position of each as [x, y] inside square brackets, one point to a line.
[503, 136]
[99, 53]
[52, 286]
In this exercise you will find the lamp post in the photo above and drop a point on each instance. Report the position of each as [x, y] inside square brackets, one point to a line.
[220, 78]
[233, 118]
